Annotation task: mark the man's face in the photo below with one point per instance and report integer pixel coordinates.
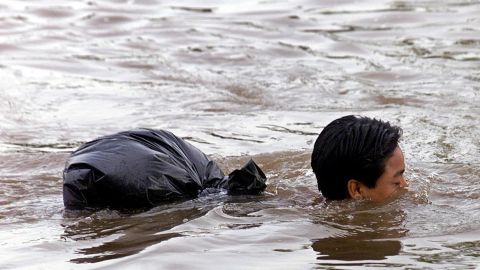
(391, 181)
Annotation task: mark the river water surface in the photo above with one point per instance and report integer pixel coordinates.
(241, 79)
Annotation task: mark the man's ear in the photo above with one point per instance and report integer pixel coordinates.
(354, 188)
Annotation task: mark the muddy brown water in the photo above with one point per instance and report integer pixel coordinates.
(238, 80)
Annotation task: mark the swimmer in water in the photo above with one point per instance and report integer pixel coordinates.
(359, 157)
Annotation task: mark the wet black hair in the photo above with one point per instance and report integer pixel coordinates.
(352, 147)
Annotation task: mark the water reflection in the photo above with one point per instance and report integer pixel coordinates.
(369, 232)
(355, 249)
(124, 246)
(132, 231)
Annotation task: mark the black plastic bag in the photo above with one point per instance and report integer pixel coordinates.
(145, 167)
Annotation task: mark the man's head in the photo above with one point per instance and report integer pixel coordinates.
(358, 157)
